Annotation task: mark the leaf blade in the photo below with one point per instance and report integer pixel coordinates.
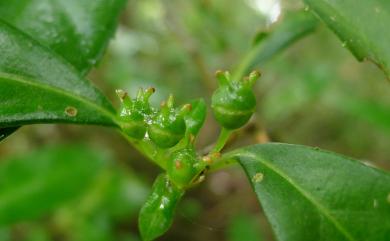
(77, 30)
(360, 26)
(156, 215)
(289, 30)
(26, 64)
(309, 194)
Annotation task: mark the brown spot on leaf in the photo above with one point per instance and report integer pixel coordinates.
(258, 177)
(71, 111)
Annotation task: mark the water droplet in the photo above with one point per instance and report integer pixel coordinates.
(258, 177)
(377, 9)
(333, 18)
(344, 44)
(307, 8)
(71, 111)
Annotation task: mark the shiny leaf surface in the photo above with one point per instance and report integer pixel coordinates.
(362, 26)
(310, 194)
(37, 86)
(77, 30)
(156, 215)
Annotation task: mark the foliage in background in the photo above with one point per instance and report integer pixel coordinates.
(314, 93)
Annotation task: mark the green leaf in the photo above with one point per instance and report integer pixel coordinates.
(362, 26)
(310, 194)
(34, 184)
(195, 119)
(77, 30)
(292, 27)
(156, 215)
(37, 86)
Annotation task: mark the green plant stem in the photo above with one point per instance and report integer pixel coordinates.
(222, 162)
(247, 62)
(149, 150)
(222, 139)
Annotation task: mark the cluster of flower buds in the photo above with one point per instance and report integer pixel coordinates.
(165, 127)
(233, 103)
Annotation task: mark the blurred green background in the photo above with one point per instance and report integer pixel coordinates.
(82, 183)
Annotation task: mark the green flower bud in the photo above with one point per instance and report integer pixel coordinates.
(181, 167)
(234, 102)
(134, 112)
(168, 126)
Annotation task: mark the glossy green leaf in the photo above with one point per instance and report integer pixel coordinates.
(195, 119)
(156, 215)
(290, 29)
(37, 86)
(77, 30)
(36, 183)
(362, 26)
(310, 194)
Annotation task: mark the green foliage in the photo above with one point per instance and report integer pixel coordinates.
(303, 189)
(33, 185)
(77, 31)
(361, 27)
(47, 47)
(295, 25)
(30, 73)
(156, 215)
(39, 87)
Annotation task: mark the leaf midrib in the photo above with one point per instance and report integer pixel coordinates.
(305, 194)
(62, 92)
